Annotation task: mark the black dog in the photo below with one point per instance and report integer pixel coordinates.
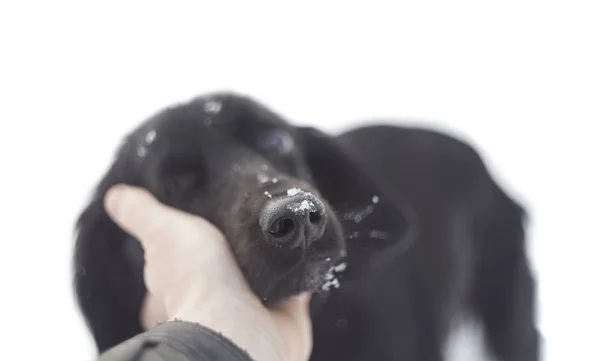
(424, 230)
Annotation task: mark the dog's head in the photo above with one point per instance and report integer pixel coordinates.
(243, 168)
(280, 194)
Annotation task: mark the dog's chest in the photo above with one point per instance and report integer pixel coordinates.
(364, 321)
(382, 319)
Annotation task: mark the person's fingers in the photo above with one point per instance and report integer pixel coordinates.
(296, 310)
(137, 212)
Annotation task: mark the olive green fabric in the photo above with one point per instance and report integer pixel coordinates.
(176, 341)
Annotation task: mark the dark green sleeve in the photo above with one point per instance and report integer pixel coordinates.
(176, 341)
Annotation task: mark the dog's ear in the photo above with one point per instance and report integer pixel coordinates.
(372, 217)
(108, 274)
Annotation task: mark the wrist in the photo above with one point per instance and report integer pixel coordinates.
(239, 318)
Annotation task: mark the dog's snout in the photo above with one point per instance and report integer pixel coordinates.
(293, 221)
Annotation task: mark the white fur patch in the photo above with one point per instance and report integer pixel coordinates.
(466, 341)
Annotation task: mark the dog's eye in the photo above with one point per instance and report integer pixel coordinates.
(277, 141)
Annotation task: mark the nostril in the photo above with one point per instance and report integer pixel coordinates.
(282, 228)
(295, 221)
(314, 217)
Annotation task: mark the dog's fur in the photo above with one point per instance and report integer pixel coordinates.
(428, 233)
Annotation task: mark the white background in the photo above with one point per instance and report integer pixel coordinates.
(520, 81)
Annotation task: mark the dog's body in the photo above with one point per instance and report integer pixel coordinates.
(426, 232)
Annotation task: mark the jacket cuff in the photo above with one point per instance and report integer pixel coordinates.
(192, 340)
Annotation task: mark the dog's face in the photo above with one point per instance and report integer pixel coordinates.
(243, 168)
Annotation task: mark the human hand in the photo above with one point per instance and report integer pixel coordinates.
(191, 274)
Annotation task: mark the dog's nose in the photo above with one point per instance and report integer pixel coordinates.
(293, 221)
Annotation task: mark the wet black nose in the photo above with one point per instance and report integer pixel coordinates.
(293, 221)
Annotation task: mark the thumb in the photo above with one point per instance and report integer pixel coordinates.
(137, 212)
